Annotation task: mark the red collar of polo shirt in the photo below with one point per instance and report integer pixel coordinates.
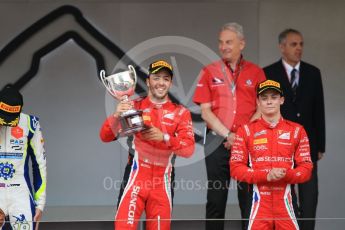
(239, 66)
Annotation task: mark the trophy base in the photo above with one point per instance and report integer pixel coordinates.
(132, 122)
(132, 131)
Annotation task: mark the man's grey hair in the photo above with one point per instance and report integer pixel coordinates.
(282, 36)
(234, 27)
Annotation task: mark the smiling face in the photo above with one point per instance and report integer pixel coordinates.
(269, 103)
(159, 85)
(230, 45)
(292, 48)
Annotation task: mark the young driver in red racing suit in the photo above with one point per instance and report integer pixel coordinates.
(278, 154)
(170, 132)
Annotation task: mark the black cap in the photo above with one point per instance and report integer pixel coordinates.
(11, 103)
(159, 65)
(269, 84)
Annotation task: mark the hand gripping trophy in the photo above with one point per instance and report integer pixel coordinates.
(121, 86)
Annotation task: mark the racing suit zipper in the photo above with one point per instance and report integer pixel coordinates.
(271, 143)
(5, 153)
(5, 138)
(274, 164)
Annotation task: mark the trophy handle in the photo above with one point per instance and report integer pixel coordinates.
(106, 83)
(130, 67)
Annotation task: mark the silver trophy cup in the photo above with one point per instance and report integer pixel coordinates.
(121, 86)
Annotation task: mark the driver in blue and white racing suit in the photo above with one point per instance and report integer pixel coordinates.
(20, 139)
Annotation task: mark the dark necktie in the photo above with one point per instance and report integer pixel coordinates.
(293, 83)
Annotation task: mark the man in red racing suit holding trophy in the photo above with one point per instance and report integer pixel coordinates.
(170, 132)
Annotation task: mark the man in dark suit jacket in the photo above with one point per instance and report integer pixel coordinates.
(304, 104)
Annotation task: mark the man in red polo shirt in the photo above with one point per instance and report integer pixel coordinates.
(226, 93)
